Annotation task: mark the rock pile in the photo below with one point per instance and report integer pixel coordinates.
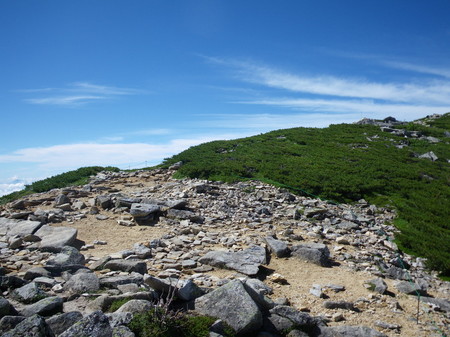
(217, 246)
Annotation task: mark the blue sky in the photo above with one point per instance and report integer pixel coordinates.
(128, 83)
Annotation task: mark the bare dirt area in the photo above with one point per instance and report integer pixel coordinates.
(234, 217)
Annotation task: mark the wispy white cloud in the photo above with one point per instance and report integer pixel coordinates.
(64, 100)
(345, 94)
(70, 156)
(442, 72)
(77, 93)
(431, 92)
(13, 184)
(407, 111)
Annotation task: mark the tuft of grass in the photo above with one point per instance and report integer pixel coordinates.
(160, 323)
(117, 304)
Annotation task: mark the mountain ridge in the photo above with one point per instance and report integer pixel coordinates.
(404, 165)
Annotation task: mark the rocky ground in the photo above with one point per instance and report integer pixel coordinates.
(257, 257)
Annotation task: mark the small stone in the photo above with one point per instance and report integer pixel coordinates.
(316, 290)
(278, 278)
(337, 317)
(389, 326)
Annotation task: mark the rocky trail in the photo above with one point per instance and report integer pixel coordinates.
(261, 259)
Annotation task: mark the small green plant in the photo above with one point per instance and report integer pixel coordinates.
(158, 323)
(155, 323)
(117, 304)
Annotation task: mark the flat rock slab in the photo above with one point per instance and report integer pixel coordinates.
(66, 257)
(441, 303)
(46, 307)
(246, 261)
(378, 285)
(129, 266)
(233, 304)
(60, 323)
(29, 293)
(82, 283)
(114, 281)
(409, 288)
(10, 282)
(136, 306)
(277, 247)
(316, 253)
(11, 227)
(55, 238)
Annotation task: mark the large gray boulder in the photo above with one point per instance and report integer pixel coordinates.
(34, 272)
(429, 155)
(347, 225)
(114, 281)
(144, 214)
(93, 325)
(127, 265)
(141, 251)
(378, 285)
(66, 257)
(12, 227)
(34, 326)
(29, 293)
(284, 318)
(9, 322)
(184, 215)
(53, 239)
(82, 283)
(410, 288)
(233, 304)
(46, 307)
(10, 281)
(61, 200)
(277, 247)
(60, 323)
(440, 303)
(316, 253)
(246, 261)
(136, 306)
(6, 309)
(103, 201)
(186, 290)
(397, 273)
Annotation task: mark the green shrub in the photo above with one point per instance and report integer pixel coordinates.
(159, 322)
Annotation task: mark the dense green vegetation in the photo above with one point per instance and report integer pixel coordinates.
(71, 178)
(161, 323)
(345, 163)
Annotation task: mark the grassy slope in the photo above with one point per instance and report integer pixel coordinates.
(339, 163)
